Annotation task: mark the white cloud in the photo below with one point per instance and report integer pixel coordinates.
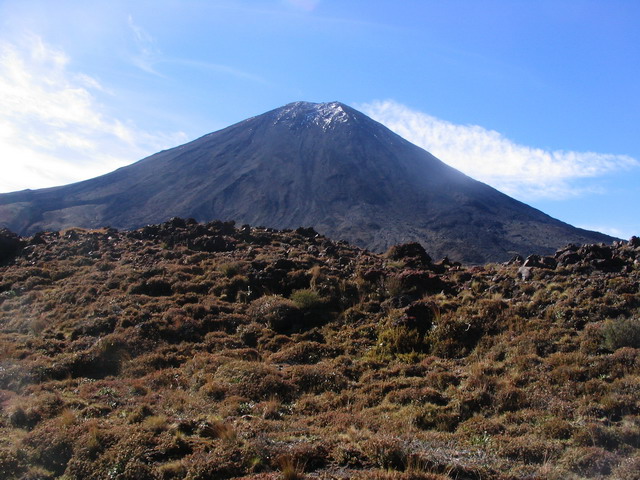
(528, 173)
(53, 130)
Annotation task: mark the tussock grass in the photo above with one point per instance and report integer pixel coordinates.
(151, 355)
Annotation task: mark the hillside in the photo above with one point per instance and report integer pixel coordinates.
(322, 165)
(199, 351)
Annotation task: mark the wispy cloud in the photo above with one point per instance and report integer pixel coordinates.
(53, 130)
(527, 173)
(148, 56)
(215, 68)
(147, 52)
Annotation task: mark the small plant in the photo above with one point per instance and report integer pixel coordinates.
(173, 469)
(621, 333)
(387, 452)
(217, 429)
(281, 314)
(399, 340)
(290, 468)
(307, 299)
(231, 269)
(155, 423)
(393, 285)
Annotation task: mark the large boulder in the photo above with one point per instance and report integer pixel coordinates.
(10, 244)
(412, 254)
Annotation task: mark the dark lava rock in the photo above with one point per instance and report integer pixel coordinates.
(420, 315)
(306, 232)
(412, 254)
(211, 244)
(152, 288)
(568, 258)
(594, 252)
(540, 262)
(10, 244)
(420, 281)
(373, 275)
(516, 260)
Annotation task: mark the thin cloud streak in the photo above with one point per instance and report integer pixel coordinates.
(215, 67)
(148, 56)
(525, 172)
(53, 130)
(147, 51)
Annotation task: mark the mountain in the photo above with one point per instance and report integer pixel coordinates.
(323, 165)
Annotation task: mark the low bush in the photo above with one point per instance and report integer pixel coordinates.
(621, 333)
(307, 300)
(589, 461)
(253, 380)
(316, 378)
(387, 452)
(280, 314)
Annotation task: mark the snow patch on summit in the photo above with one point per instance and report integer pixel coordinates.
(325, 115)
(330, 113)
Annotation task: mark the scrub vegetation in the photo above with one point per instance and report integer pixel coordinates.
(202, 351)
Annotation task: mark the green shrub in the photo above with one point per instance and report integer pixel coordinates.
(313, 306)
(231, 269)
(455, 337)
(307, 299)
(557, 428)
(399, 340)
(280, 314)
(621, 333)
(252, 380)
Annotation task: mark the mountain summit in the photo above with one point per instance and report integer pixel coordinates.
(323, 165)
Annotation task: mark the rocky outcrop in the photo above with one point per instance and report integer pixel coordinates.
(619, 257)
(10, 244)
(411, 254)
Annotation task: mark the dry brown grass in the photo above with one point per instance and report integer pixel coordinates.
(150, 359)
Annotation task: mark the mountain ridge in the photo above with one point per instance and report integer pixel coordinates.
(323, 165)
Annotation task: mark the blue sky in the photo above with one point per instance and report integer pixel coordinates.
(539, 99)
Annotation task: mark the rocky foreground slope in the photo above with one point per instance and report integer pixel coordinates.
(200, 351)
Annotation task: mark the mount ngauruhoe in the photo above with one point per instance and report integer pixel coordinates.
(322, 165)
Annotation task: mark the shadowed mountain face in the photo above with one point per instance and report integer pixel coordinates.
(322, 165)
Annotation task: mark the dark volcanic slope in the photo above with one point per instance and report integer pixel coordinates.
(321, 165)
